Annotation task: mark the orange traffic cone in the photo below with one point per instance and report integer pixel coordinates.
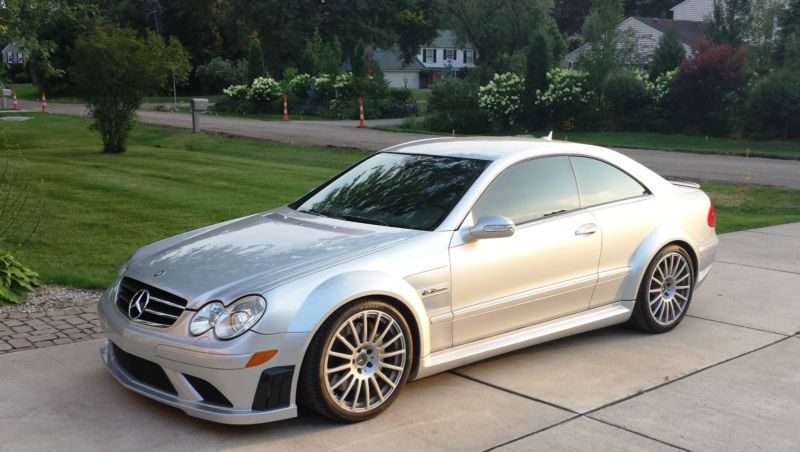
(285, 109)
(44, 102)
(361, 112)
(15, 104)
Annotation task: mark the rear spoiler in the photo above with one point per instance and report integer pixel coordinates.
(684, 183)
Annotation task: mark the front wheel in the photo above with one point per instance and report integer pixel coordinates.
(358, 362)
(665, 291)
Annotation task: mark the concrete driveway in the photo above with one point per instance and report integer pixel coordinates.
(728, 378)
(711, 168)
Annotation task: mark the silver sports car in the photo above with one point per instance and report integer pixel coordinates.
(418, 259)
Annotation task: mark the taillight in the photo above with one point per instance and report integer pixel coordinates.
(712, 216)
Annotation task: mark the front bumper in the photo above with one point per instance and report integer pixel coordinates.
(204, 377)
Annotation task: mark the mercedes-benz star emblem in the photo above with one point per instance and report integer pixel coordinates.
(138, 304)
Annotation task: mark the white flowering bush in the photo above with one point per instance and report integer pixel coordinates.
(264, 90)
(343, 85)
(301, 84)
(658, 89)
(238, 93)
(323, 86)
(566, 95)
(501, 98)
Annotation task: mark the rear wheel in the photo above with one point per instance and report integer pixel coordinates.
(665, 292)
(358, 362)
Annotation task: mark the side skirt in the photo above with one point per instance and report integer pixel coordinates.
(461, 355)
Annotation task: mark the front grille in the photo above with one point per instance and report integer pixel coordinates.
(163, 309)
(145, 371)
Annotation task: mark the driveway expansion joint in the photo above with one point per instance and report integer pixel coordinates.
(737, 325)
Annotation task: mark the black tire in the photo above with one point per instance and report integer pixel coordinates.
(643, 317)
(312, 389)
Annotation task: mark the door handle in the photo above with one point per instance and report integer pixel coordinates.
(586, 229)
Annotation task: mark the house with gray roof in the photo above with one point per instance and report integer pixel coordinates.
(443, 56)
(687, 18)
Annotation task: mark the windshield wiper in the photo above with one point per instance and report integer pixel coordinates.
(361, 219)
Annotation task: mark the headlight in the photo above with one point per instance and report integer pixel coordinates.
(240, 316)
(205, 318)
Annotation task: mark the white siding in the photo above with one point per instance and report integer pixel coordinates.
(395, 78)
(693, 10)
(441, 62)
(646, 38)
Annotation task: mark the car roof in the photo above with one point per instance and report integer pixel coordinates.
(493, 148)
(505, 151)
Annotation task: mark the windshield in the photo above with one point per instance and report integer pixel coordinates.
(399, 190)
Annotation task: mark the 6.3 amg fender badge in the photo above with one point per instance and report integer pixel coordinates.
(138, 304)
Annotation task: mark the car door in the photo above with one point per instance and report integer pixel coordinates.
(625, 210)
(546, 269)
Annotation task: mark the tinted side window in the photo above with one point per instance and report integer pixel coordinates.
(530, 190)
(600, 182)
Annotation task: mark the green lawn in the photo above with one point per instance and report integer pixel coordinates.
(27, 91)
(99, 208)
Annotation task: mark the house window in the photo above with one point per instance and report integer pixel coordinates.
(449, 54)
(469, 56)
(429, 56)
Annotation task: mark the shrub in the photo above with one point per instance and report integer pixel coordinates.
(704, 83)
(501, 99)
(300, 85)
(773, 105)
(16, 280)
(116, 69)
(668, 54)
(453, 105)
(219, 73)
(566, 96)
(264, 90)
(624, 94)
(237, 93)
(343, 85)
(255, 62)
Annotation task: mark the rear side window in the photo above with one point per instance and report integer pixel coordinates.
(600, 183)
(530, 190)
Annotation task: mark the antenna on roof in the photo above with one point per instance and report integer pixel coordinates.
(548, 137)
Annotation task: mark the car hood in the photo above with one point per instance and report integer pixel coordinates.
(255, 253)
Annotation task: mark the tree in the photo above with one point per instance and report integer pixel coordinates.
(773, 104)
(608, 48)
(42, 31)
(357, 60)
(255, 64)
(788, 29)
(624, 93)
(539, 61)
(702, 87)
(115, 70)
(729, 22)
(499, 29)
(669, 53)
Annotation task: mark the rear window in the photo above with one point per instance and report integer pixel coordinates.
(600, 183)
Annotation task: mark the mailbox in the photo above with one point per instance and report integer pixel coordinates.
(198, 106)
(6, 94)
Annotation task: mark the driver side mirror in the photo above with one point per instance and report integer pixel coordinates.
(491, 227)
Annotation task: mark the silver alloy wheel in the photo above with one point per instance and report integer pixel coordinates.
(669, 288)
(365, 361)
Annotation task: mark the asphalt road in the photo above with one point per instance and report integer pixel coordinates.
(726, 379)
(712, 168)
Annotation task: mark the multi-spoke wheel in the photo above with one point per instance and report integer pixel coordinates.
(665, 292)
(357, 362)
